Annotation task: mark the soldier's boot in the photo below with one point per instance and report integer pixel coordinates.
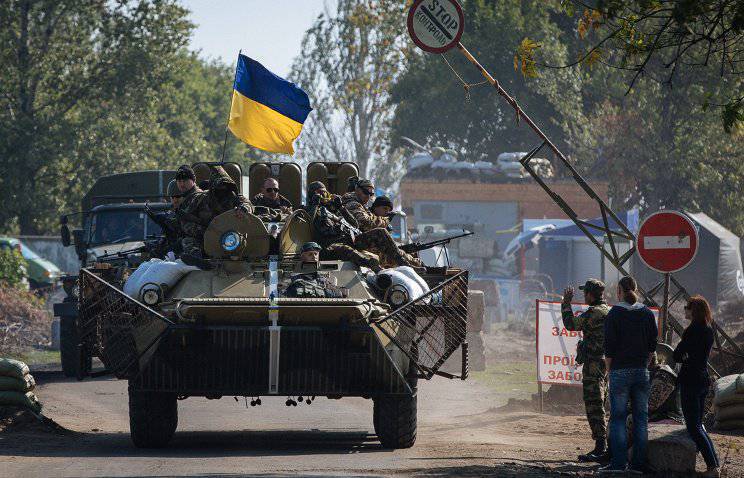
(599, 454)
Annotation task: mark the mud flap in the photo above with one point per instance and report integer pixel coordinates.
(429, 329)
(121, 331)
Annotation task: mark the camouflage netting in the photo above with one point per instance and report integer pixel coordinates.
(24, 322)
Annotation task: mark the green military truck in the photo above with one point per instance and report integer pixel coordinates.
(235, 330)
(111, 222)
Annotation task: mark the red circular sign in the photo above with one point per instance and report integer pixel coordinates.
(667, 241)
(435, 25)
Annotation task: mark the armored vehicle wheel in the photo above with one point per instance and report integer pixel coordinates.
(394, 419)
(153, 417)
(74, 364)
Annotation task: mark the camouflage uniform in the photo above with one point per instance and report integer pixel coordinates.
(375, 236)
(364, 217)
(591, 324)
(280, 202)
(199, 208)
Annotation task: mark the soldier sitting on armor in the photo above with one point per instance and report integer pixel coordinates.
(337, 230)
(269, 197)
(312, 284)
(269, 205)
(198, 210)
(591, 353)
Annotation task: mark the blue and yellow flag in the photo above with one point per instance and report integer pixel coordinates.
(267, 111)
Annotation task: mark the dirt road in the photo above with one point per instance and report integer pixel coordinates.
(458, 435)
(461, 433)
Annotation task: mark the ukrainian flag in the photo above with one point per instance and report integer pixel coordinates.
(267, 111)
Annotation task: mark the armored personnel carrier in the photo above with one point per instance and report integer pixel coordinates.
(230, 331)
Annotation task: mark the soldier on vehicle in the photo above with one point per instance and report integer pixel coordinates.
(312, 284)
(356, 203)
(186, 181)
(382, 206)
(270, 198)
(590, 352)
(200, 207)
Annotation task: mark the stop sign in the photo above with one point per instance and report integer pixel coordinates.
(667, 241)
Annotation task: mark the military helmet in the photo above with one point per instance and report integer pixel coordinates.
(310, 246)
(382, 201)
(173, 190)
(364, 184)
(595, 286)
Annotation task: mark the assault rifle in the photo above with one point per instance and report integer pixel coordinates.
(150, 245)
(422, 246)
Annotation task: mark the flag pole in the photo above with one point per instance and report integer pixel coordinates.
(227, 126)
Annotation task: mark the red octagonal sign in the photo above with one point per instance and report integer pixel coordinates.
(667, 241)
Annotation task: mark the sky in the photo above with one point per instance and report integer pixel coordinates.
(269, 31)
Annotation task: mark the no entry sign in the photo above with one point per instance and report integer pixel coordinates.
(667, 241)
(435, 25)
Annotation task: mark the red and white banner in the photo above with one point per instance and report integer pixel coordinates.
(556, 346)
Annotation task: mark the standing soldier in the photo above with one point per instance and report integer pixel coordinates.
(591, 353)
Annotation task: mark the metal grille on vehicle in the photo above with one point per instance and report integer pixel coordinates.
(118, 329)
(429, 329)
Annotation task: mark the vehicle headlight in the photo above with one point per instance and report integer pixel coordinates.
(230, 241)
(151, 296)
(397, 296)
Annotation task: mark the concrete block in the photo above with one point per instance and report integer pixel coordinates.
(670, 449)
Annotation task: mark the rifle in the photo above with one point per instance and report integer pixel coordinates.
(421, 246)
(149, 246)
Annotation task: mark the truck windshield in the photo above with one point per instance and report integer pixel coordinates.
(115, 227)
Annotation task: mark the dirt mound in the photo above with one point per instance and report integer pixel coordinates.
(20, 420)
(24, 321)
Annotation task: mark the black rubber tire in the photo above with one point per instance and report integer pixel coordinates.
(69, 352)
(153, 418)
(394, 419)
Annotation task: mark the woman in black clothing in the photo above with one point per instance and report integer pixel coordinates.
(694, 382)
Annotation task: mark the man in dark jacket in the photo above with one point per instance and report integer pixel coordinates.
(631, 335)
(271, 199)
(591, 324)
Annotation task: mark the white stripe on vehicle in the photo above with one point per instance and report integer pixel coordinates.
(274, 328)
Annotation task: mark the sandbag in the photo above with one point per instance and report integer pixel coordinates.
(405, 276)
(25, 384)
(729, 425)
(158, 273)
(734, 411)
(134, 282)
(726, 391)
(13, 368)
(20, 399)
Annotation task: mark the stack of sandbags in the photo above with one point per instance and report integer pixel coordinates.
(16, 385)
(476, 347)
(728, 403)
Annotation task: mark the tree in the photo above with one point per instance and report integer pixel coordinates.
(433, 107)
(74, 71)
(666, 40)
(348, 61)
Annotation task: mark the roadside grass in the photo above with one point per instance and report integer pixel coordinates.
(517, 379)
(34, 356)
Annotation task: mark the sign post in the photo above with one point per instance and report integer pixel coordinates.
(667, 242)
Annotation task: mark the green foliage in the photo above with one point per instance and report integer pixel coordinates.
(12, 267)
(669, 40)
(432, 106)
(347, 63)
(95, 88)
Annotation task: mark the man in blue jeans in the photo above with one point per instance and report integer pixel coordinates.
(630, 340)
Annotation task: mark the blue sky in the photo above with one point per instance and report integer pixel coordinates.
(269, 31)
